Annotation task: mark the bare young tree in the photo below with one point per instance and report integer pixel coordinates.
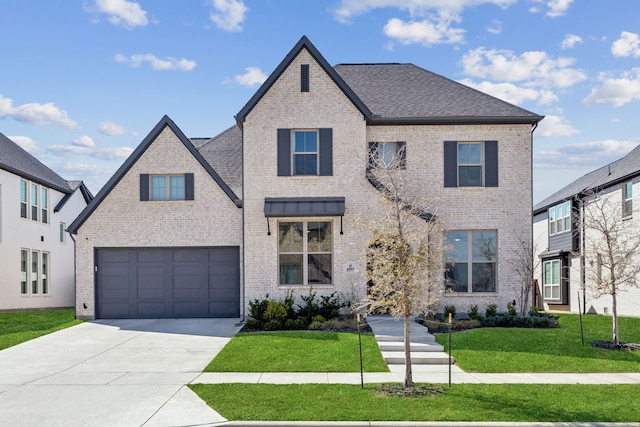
(612, 244)
(525, 264)
(404, 256)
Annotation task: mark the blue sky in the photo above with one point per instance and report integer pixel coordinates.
(83, 82)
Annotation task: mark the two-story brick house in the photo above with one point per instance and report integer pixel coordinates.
(36, 256)
(565, 257)
(274, 204)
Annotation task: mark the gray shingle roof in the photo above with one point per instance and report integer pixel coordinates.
(15, 159)
(224, 154)
(406, 92)
(606, 176)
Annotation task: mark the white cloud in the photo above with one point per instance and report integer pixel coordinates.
(114, 129)
(512, 93)
(616, 91)
(627, 45)
(535, 68)
(423, 32)
(86, 146)
(229, 14)
(555, 126)
(585, 155)
(555, 7)
(570, 40)
(253, 77)
(495, 27)
(156, 63)
(39, 114)
(123, 13)
(84, 141)
(28, 144)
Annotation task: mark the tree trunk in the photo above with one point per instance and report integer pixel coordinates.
(614, 307)
(408, 375)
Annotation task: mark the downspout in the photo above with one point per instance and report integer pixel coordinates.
(244, 246)
(534, 290)
(583, 247)
(75, 276)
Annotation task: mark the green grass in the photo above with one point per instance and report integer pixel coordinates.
(298, 351)
(546, 350)
(463, 402)
(21, 326)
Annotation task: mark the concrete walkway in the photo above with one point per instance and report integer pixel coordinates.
(112, 373)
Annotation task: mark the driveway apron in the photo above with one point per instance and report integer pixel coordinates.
(112, 373)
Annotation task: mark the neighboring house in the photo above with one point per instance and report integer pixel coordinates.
(563, 254)
(199, 228)
(36, 206)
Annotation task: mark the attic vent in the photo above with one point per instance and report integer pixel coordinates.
(304, 78)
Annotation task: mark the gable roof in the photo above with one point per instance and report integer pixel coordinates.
(614, 173)
(74, 186)
(133, 158)
(16, 160)
(303, 43)
(224, 153)
(406, 93)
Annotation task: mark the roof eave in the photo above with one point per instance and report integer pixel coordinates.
(453, 120)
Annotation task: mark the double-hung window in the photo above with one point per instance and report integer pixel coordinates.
(627, 199)
(44, 207)
(167, 187)
(34, 272)
(551, 280)
(560, 218)
(471, 263)
(387, 155)
(471, 164)
(23, 199)
(34, 201)
(305, 252)
(305, 152)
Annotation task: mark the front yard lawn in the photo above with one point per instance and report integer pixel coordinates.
(546, 350)
(298, 351)
(462, 402)
(20, 326)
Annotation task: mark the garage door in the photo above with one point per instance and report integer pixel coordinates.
(167, 282)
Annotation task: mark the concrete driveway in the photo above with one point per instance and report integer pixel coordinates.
(112, 373)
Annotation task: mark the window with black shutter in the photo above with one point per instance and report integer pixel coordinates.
(471, 164)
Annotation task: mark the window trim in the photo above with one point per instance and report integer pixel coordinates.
(306, 253)
(562, 220)
(44, 204)
(552, 286)
(475, 165)
(24, 202)
(470, 261)
(627, 199)
(33, 201)
(295, 153)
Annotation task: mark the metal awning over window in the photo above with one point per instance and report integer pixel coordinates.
(303, 206)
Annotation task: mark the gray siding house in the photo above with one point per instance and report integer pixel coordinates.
(200, 227)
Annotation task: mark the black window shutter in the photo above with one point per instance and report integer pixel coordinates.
(450, 164)
(188, 186)
(304, 78)
(326, 152)
(373, 154)
(284, 152)
(491, 163)
(401, 155)
(144, 187)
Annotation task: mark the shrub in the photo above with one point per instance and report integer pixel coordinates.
(473, 312)
(318, 318)
(511, 309)
(326, 306)
(272, 325)
(506, 320)
(253, 324)
(276, 310)
(258, 307)
(491, 310)
(295, 324)
(449, 309)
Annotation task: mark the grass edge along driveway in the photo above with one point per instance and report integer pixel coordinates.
(20, 326)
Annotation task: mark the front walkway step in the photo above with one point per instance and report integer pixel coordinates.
(415, 346)
(397, 358)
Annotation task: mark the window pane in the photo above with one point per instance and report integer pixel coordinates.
(484, 277)
(291, 269)
(387, 155)
(319, 269)
(567, 224)
(34, 194)
(23, 191)
(456, 276)
(483, 245)
(470, 176)
(62, 236)
(555, 272)
(305, 164)
(305, 142)
(45, 272)
(459, 245)
(23, 272)
(34, 272)
(319, 237)
(567, 208)
(290, 237)
(469, 154)
(176, 187)
(158, 188)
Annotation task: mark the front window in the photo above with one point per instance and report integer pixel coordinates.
(167, 187)
(34, 202)
(551, 280)
(23, 199)
(627, 199)
(560, 218)
(44, 204)
(305, 152)
(45, 273)
(470, 164)
(305, 253)
(24, 255)
(34, 272)
(471, 264)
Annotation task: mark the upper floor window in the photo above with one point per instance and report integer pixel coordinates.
(23, 199)
(304, 78)
(471, 265)
(305, 253)
(166, 187)
(560, 218)
(34, 201)
(44, 204)
(387, 155)
(63, 234)
(471, 164)
(305, 152)
(627, 199)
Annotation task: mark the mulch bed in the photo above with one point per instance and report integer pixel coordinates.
(610, 345)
